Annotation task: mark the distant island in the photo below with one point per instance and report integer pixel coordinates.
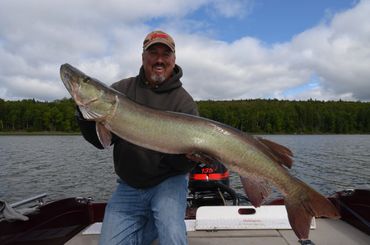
(262, 116)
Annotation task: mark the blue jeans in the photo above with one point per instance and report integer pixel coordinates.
(139, 216)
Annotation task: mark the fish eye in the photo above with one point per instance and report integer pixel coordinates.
(86, 79)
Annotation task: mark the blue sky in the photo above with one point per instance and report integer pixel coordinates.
(228, 49)
(271, 21)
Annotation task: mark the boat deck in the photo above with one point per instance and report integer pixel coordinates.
(327, 232)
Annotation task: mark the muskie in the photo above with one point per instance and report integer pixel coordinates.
(259, 161)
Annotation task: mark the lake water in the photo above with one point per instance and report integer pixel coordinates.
(65, 166)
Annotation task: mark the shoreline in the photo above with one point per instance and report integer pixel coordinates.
(37, 133)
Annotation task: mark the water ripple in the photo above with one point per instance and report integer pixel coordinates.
(65, 166)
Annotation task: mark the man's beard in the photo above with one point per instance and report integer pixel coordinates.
(158, 78)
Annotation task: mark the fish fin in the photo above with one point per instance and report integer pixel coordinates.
(89, 115)
(304, 204)
(104, 135)
(281, 154)
(256, 189)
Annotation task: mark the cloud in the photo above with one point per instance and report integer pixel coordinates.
(33, 88)
(337, 51)
(104, 39)
(231, 9)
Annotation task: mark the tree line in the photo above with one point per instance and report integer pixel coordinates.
(253, 116)
(290, 117)
(36, 116)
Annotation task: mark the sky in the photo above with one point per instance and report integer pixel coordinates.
(228, 49)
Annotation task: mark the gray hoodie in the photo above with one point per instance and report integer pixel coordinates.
(137, 166)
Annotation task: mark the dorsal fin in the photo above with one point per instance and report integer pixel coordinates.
(280, 153)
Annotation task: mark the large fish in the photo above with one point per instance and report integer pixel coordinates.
(259, 161)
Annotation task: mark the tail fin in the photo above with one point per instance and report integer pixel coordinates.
(304, 204)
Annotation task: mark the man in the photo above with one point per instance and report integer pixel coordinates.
(150, 199)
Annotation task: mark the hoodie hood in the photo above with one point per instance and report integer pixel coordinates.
(172, 83)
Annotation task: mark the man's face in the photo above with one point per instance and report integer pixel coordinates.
(158, 62)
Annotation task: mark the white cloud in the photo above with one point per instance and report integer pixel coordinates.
(338, 51)
(26, 87)
(236, 8)
(104, 38)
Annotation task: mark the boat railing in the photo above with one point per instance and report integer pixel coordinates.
(37, 198)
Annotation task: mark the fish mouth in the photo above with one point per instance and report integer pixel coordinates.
(66, 82)
(66, 76)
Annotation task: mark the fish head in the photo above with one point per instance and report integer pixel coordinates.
(95, 99)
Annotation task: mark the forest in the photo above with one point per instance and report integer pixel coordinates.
(265, 116)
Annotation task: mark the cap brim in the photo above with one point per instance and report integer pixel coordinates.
(161, 42)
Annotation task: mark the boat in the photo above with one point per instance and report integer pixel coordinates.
(216, 214)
